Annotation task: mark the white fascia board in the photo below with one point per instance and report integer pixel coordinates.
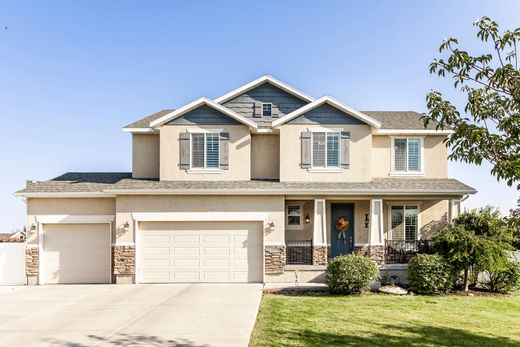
(358, 192)
(197, 103)
(259, 81)
(411, 132)
(139, 130)
(199, 217)
(333, 102)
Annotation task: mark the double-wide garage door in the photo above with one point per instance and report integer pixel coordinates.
(200, 252)
(76, 253)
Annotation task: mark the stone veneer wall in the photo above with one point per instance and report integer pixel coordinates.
(319, 255)
(32, 262)
(376, 253)
(123, 258)
(274, 259)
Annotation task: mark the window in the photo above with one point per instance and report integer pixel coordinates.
(294, 216)
(205, 151)
(404, 222)
(407, 155)
(325, 149)
(267, 110)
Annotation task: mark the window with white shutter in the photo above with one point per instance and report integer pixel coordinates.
(325, 149)
(407, 155)
(205, 150)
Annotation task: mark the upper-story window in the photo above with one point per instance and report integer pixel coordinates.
(267, 110)
(205, 150)
(325, 150)
(407, 155)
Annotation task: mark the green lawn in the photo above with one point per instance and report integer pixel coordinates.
(381, 320)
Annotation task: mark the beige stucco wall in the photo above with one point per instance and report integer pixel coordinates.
(360, 154)
(272, 205)
(265, 156)
(306, 232)
(435, 156)
(239, 154)
(69, 206)
(145, 155)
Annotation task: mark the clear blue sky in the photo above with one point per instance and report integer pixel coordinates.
(72, 73)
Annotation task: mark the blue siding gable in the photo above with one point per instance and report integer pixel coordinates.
(325, 114)
(268, 93)
(204, 115)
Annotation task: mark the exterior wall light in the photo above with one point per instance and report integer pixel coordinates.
(270, 227)
(307, 219)
(126, 226)
(366, 220)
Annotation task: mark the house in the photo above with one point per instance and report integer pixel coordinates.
(246, 188)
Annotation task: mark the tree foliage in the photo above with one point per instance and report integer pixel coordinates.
(491, 83)
(478, 240)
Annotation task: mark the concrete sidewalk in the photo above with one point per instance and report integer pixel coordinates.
(136, 315)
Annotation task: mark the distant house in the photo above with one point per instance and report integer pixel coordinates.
(247, 187)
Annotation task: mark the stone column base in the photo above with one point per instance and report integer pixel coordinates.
(319, 255)
(123, 258)
(275, 259)
(376, 253)
(32, 265)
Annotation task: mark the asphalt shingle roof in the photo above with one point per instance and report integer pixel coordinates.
(400, 120)
(145, 122)
(388, 119)
(120, 182)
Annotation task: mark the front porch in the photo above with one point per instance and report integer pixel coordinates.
(390, 231)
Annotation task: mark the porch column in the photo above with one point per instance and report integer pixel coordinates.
(375, 249)
(454, 210)
(319, 233)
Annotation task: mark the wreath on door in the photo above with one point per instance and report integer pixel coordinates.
(342, 225)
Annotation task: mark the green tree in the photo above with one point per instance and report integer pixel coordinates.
(491, 83)
(479, 240)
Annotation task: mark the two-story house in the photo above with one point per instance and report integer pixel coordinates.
(243, 188)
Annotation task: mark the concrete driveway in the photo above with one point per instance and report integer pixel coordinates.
(129, 315)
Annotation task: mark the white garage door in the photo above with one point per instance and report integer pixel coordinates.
(200, 252)
(76, 253)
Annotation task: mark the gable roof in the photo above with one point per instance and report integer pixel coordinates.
(253, 84)
(333, 102)
(197, 103)
(143, 125)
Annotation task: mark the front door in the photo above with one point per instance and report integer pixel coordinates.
(342, 228)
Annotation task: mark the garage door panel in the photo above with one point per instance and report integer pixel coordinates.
(202, 251)
(76, 253)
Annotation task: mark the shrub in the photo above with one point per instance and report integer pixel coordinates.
(430, 274)
(351, 273)
(505, 279)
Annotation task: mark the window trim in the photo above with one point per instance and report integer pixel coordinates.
(205, 168)
(407, 172)
(416, 204)
(271, 109)
(293, 227)
(325, 168)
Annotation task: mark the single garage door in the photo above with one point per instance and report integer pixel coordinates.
(200, 252)
(76, 253)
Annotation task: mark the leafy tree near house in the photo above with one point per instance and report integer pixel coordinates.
(491, 83)
(514, 222)
(479, 240)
